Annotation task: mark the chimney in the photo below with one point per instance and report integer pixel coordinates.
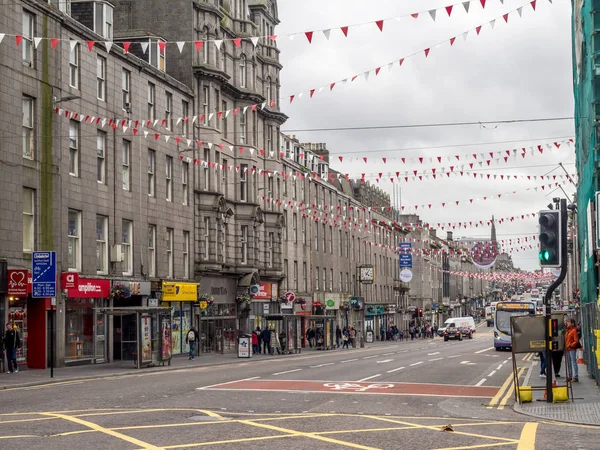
(433, 232)
(449, 236)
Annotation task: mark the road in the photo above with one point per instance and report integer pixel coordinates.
(396, 395)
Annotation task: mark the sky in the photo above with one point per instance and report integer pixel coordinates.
(520, 69)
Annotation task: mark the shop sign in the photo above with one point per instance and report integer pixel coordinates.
(90, 288)
(179, 292)
(375, 310)
(69, 280)
(136, 287)
(266, 291)
(223, 289)
(19, 283)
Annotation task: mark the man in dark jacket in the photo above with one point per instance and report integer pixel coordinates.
(266, 340)
(12, 342)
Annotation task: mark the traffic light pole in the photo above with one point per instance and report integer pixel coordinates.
(548, 299)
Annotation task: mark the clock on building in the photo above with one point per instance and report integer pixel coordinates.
(367, 274)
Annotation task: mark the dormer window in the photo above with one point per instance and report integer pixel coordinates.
(96, 15)
(103, 20)
(62, 5)
(157, 55)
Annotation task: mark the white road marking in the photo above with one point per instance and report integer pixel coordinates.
(229, 382)
(454, 356)
(395, 370)
(388, 354)
(369, 378)
(481, 382)
(384, 361)
(464, 362)
(349, 360)
(436, 359)
(484, 350)
(287, 371)
(431, 354)
(499, 367)
(374, 356)
(417, 363)
(491, 374)
(322, 365)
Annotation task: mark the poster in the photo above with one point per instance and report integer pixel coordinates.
(146, 338)
(166, 339)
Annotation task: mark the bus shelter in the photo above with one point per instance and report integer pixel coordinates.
(144, 337)
(289, 329)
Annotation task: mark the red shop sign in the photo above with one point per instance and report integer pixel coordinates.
(90, 288)
(69, 280)
(19, 284)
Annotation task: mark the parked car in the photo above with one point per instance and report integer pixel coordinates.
(452, 333)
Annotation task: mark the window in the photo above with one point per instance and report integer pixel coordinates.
(223, 58)
(294, 187)
(101, 244)
(317, 279)
(330, 280)
(224, 240)
(169, 178)
(316, 234)
(27, 44)
(186, 254)
(126, 88)
(284, 180)
(217, 177)
(28, 144)
(243, 182)
(304, 278)
(330, 239)
(347, 287)
(126, 170)
(74, 67)
(340, 243)
(324, 279)
(242, 137)
(127, 242)
(243, 71)
(73, 148)
(284, 231)
(255, 128)
(101, 78)
(216, 109)
(244, 242)
(205, 105)
(151, 101)
(224, 170)
(157, 54)
(324, 239)
(295, 228)
(270, 139)
(170, 242)
(185, 110)
(101, 157)
(296, 275)
(185, 174)
(270, 244)
(62, 5)
(270, 194)
(151, 250)
(205, 47)
(224, 119)
(268, 90)
(285, 274)
(103, 20)
(151, 168)
(206, 170)
(74, 250)
(28, 206)
(206, 238)
(304, 230)
(169, 111)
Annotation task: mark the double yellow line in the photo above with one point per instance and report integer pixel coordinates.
(506, 391)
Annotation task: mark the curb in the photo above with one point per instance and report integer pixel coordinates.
(516, 408)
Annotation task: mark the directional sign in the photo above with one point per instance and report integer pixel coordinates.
(405, 246)
(405, 261)
(43, 271)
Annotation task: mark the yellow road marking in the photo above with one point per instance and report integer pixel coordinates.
(430, 427)
(308, 435)
(231, 441)
(477, 446)
(106, 431)
(498, 396)
(527, 441)
(21, 436)
(26, 420)
(511, 390)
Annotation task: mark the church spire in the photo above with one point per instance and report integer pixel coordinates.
(493, 237)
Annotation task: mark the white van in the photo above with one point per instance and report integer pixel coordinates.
(460, 322)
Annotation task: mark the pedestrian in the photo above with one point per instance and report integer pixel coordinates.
(275, 344)
(542, 356)
(266, 340)
(338, 336)
(12, 341)
(572, 344)
(381, 333)
(557, 357)
(259, 336)
(310, 335)
(353, 337)
(345, 338)
(255, 348)
(192, 338)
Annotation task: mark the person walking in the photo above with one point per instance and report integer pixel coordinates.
(338, 336)
(542, 356)
(255, 345)
(275, 343)
(572, 344)
(266, 340)
(12, 341)
(192, 339)
(345, 338)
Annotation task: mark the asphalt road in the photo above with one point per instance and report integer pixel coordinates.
(396, 395)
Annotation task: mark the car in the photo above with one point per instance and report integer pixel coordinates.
(452, 333)
(465, 331)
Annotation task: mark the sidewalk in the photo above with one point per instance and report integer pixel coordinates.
(584, 410)
(35, 377)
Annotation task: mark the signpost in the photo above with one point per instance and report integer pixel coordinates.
(405, 255)
(43, 285)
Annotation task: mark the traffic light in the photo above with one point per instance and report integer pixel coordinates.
(420, 312)
(550, 238)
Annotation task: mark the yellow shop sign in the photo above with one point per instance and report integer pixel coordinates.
(179, 292)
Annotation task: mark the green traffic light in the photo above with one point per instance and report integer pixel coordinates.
(545, 255)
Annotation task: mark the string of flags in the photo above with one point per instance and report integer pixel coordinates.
(428, 176)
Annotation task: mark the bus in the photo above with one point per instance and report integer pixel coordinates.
(489, 313)
(504, 311)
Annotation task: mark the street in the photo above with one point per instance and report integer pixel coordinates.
(425, 394)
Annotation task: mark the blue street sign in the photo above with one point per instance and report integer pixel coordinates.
(43, 283)
(405, 247)
(405, 261)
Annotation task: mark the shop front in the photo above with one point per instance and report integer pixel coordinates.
(180, 297)
(378, 319)
(264, 303)
(215, 315)
(85, 329)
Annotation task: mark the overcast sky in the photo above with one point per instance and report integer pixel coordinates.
(517, 70)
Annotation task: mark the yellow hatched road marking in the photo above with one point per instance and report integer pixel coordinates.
(511, 389)
(498, 396)
(527, 441)
(477, 446)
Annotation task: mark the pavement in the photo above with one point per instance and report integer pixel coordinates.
(425, 394)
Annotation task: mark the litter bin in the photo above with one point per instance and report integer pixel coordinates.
(244, 347)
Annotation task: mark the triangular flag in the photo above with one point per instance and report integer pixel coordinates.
(292, 98)
(309, 35)
(466, 5)
(254, 40)
(464, 35)
(218, 43)
(36, 41)
(505, 17)
(345, 31)
(237, 42)
(449, 10)
(452, 41)
(432, 14)
(478, 29)
(2, 37)
(482, 3)
(180, 45)
(401, 61)
(108, 46)
(377, 71)
(520, 11)
(533, 4)
(144, 46)
(366, 74)
(198, 45)
(162, 45)
(53, 43)
(380, 25)
(331, 86)
(427, 52)
(126, 46)
(18, 39)
(326, 33)
(492, 23)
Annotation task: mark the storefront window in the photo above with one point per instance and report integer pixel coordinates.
(186, 324)
(79, 323)
(176, 327)
(17, 315)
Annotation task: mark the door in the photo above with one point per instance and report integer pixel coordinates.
(100, 337)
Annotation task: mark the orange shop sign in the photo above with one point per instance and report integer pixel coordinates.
(267, 291)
